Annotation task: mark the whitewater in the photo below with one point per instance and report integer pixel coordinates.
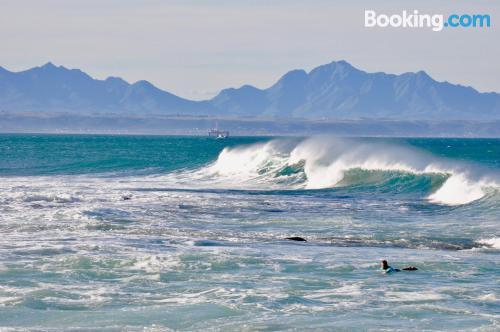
(134, 233)
(325, 162)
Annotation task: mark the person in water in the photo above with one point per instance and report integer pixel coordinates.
(389, 269)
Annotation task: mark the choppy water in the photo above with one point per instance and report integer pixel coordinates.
(130, 233)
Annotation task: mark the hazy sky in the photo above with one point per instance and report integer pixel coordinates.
(196, 48)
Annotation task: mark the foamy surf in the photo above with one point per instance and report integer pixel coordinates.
(491, 243)
(323, 162)
(160, 237)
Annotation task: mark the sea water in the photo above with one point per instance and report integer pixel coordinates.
(110, 233)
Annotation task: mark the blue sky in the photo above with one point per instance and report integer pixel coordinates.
(196, 48)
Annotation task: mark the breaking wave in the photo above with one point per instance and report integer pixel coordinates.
(492, 242)
(326, 162)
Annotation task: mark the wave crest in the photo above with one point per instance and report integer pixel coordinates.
(327, 162)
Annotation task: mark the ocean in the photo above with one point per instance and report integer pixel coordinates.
(154, 233)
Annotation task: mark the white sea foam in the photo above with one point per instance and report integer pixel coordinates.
(325, 161)
(492, 242)
(489, 297)
(156, 263)
(53, 197)
(393, 296)
(53, 244)
(457, 190)
(319, 162)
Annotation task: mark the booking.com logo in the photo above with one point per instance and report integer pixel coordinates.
(416, 20)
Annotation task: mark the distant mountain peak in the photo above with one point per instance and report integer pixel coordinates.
(49, 65)
(51, 88)
(345, 66)
(423, 75)
(338, 64)
(336, 90)
(293, 75)
(342, 63)
(115, 79)
(340, 68)
(248, 87)
(143, 83)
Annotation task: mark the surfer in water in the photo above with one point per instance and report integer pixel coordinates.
(389, 269)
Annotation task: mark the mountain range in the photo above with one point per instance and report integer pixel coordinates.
(332, 91)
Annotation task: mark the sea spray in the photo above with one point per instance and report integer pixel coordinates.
(324, 162)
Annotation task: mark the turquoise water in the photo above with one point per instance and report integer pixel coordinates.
(111, 233)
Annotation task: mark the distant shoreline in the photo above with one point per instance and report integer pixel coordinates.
(65, 123)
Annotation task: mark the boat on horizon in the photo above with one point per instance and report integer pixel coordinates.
(217, 133)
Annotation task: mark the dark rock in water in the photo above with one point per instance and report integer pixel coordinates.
(126, 197)
(296, 238)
